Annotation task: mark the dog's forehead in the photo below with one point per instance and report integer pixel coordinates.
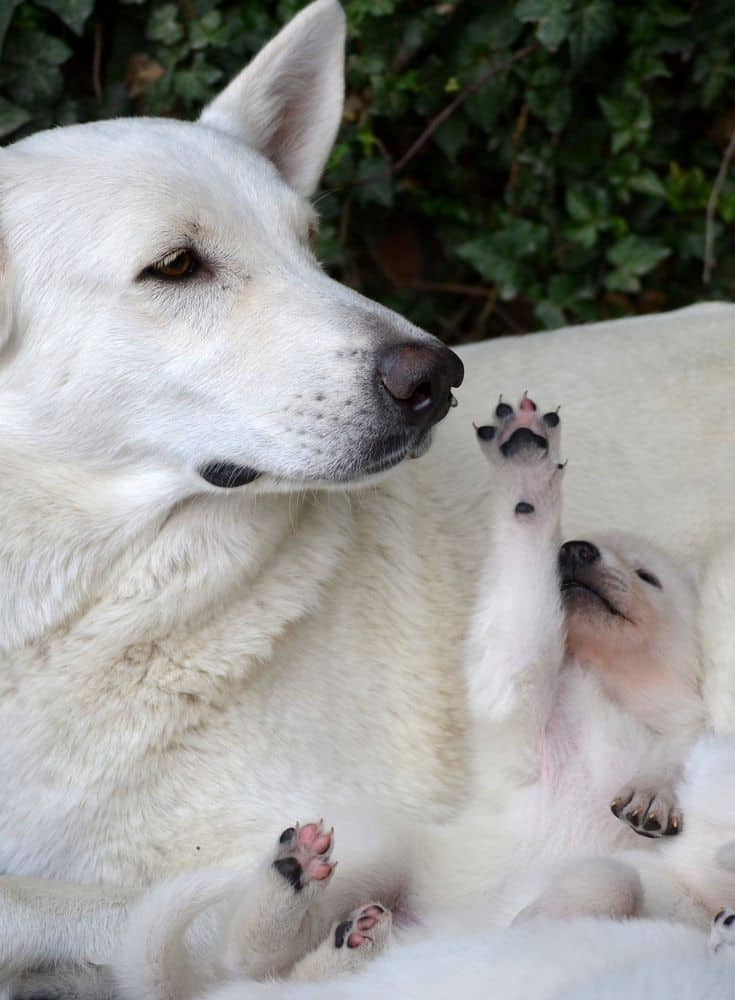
(140, 173)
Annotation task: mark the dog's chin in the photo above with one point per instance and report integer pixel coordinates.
(376, 459)
(369, 465)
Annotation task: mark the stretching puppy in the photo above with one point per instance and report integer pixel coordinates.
(583, 666)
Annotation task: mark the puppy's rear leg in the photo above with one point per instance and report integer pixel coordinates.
(269, 929)
(349, 944)
(595, 887)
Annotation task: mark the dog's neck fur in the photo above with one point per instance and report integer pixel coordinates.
(108, 544)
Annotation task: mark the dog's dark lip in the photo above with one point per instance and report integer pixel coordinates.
(227, 475)
(573, 584)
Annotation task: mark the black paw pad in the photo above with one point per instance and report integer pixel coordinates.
(521, 439)
(551, 419)
(287, 835)
(524, 508)
(652, 824)
(729, 921)
(503, 410)
(486, 432)
(616, 808)
(341, 933)
(291, 871)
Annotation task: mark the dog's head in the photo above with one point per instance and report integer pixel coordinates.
(631, 615)
(163, 305)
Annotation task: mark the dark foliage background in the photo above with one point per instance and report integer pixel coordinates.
(570, 179)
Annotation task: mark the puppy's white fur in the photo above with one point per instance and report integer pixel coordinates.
(168, 650)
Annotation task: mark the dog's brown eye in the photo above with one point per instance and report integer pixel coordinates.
(649, 578)
(175, 266)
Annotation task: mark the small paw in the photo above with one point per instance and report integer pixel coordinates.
(302, 855)
(524, 430)
(650, 813)
(722, 934)
(367, 927)
(524, 448)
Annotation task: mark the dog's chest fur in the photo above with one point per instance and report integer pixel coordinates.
(164, 726)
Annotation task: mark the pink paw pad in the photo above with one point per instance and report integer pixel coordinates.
(360, 930)
(519, 429)
(303, 854)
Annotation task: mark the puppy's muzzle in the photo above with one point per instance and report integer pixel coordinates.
(575, 556)
(419, 378)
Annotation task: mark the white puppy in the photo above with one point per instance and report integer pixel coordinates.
(583, 665)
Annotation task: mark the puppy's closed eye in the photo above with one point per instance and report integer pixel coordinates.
(649, 578)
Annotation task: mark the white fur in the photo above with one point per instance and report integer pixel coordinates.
(584, 958)
(182, 666)
(551, 740)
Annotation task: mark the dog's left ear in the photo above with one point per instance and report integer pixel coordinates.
(287, 103)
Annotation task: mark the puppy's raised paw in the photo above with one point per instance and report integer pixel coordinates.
(523, 447)
(303, 855)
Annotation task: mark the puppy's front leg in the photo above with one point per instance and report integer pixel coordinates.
(516, 642)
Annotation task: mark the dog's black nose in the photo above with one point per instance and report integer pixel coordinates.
(420, 378)
(574, 555)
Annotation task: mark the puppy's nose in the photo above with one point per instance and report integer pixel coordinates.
(575, 555)
(420, 378)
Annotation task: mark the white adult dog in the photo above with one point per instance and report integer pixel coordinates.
(184, 663)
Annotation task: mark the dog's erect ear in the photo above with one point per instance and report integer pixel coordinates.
(287, 103)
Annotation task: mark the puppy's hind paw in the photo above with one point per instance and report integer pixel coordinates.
(367, 927)
(648, 812)
(349, 944)
(722, 934)
(303, 855)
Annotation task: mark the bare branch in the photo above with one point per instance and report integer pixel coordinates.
(709, 237)
(415, 148)
(461, 97)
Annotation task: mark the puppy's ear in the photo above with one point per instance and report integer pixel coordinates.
(287, 103)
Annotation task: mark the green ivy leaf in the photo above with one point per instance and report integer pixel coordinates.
(451, 136)
(164, 25)
(499, 256)
(7, 9)
(632, 257)
(11, 117)
(594, 26)
(74, 13)
(553, 19)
